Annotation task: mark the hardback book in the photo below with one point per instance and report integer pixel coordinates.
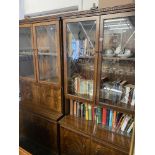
(77, 109)
(99, 111)
(74, 108)
(118, 116)
(120, 120)
(104, 116)
(107, 120)
(82, 109)
(89, 112)
(126, 120)
(130, 128)
(133, 98)
(114, 119)
(128, 125)
(71, 107)
(82, 86)
(90, 87)
(110, 118)
(93, 113)
(86, 109)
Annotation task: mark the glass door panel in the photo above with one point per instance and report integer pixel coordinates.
(47, 53)
(26, 65)
(118, 61)
(80, 49)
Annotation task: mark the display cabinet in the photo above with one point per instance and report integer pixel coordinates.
(80, 58)
(41, 88)
(99, 47)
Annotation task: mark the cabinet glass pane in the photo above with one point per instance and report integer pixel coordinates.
(118, 61)
(80, 47)
(47, 53)
(26, 66)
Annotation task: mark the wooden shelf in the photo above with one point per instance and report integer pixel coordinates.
(77, 124)
(75, 97)
(118, 58)
(122, 107)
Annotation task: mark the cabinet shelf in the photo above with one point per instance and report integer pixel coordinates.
(118, 58)
(122, 107)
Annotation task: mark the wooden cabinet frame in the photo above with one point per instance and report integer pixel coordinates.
(65, 21)
(58, 85)
(34, 60)
(102, 18)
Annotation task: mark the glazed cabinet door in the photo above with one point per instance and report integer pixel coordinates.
(73, 143)
(80, 46)
(117, 60)
(47, 44)
(100, 149)
(26, 53)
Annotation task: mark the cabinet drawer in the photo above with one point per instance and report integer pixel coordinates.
(73, 143)
(101, 149)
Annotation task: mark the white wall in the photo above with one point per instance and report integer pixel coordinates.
(34, 6)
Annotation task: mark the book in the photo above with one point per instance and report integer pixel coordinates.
(118, 116)
(133, 98)
(119, 122)
(93, 113)
(90, 88)
(130, 128)
(86, 109)
(77, 109)
(126, 120)
(128, 125)
(89, 112)
(110, 118)
(74, 108)
(71, 107)
(99, 111)
(107, 120)
(81, 109)
(114, 119)
(104, 116)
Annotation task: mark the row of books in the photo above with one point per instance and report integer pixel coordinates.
(117, 121)
(83, 86)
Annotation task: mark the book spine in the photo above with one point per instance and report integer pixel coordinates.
(107, 120)
(71, 107)
(99, 115)
(110, 118)
(82, 110)
(104, 116)
(86, 111)
(93, 113)
(74, 108)
(89, 112)
(125, 123)
(114, 120)
(77, 109)
(130, 128)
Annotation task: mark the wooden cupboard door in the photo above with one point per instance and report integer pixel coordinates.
(38, 129)
(100, 149)
(73, 143)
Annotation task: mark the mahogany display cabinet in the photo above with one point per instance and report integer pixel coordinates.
(41, 91)
(99, 81)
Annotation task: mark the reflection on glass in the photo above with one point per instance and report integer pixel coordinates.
(118, 62)
(26, 67)
(47, 54)
(80, 57)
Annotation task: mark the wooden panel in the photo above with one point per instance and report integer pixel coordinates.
(40, 94)
(100, 149)
(23, 152)
(40, 130)
(73, 143)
